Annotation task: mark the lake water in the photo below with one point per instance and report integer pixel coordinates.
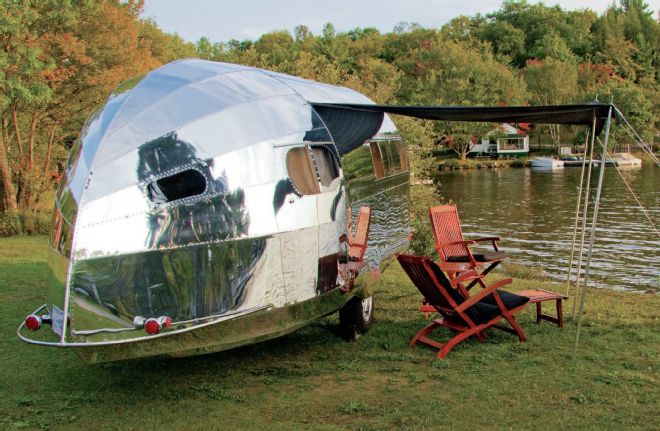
(533, 212)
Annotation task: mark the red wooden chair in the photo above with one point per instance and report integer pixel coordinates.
(357, 243)
(454, 251)
(465, 315)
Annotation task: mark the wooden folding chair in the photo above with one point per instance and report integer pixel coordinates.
(454, 251)
(466, 316)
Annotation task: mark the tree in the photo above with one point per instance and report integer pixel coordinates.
(508, 42)
(552, 82)
(60, 59)
(454, 73)
(275, 48)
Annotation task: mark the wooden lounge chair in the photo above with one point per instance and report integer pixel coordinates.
(467, 316)
(454, 251)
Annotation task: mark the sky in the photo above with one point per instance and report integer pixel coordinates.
(223, 20)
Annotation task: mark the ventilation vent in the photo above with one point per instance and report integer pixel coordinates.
(181, 185)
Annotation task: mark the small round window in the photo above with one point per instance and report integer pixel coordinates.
(181, 185)
(311, 170)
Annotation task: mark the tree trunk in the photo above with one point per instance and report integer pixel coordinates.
(464, 151)
(554, 134)
(8, 191)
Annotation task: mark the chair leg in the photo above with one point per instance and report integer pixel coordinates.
(454, 341)
(423, 332)
(516, 327)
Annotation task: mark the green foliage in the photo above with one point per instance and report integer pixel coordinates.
(24, 223)
(418, 136)
(421, 198)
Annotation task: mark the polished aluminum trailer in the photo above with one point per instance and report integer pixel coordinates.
(201, 205)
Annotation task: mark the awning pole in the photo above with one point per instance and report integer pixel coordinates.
(577, 209)
(585, 213)
(592, 236)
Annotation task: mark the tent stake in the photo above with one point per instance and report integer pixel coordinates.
(592, 236)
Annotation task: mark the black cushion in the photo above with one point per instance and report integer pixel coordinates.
(510, 300)
(487, 308)
(482, 257)
(478, 313)
(482, 311)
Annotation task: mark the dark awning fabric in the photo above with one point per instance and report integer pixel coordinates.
(582, 114)
(349, 127)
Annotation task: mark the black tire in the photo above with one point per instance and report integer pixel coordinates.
(356, 316)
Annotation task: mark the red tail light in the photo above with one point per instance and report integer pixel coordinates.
(33, 322)
(152, 326)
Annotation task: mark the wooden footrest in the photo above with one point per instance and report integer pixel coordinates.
(538, 296)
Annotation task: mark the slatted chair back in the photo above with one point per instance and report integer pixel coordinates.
(446, 230)
(431, 282)
(357, 243)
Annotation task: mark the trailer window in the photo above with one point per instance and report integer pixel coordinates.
(358, 164)
(389, 158)
(181, 185)
(377, 158)
(300, 171)
(311, 170)
(326, 168)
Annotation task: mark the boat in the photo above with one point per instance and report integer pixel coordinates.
(546, 163)
(625, 159)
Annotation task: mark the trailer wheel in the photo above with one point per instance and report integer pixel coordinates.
(356, 316)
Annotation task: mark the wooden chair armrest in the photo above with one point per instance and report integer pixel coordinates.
(493, 239)
(481, 295)
(467, 275)
(488, 238)
(466, 243)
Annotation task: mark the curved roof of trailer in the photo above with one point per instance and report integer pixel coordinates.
(184, 91)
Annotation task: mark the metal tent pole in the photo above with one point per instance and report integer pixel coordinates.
(585, 213)
(592, 236)
(577, 209)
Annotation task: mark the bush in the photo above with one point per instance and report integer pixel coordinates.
(422, 197)
(24, 223)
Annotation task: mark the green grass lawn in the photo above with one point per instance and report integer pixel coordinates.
(314, 380)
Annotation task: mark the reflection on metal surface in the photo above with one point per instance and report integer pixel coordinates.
(388, 197)
(183, 199)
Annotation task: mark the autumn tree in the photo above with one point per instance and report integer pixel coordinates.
(452, 73)
(60, 59)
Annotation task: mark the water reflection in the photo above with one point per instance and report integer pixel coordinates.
(533, 213)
